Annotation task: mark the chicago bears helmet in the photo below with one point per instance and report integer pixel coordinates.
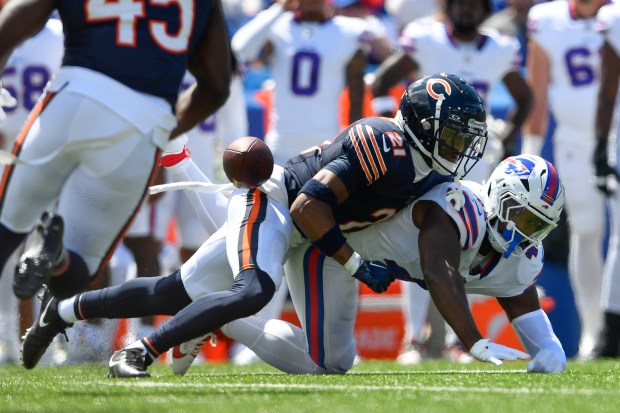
(444, 118)
(524, 200)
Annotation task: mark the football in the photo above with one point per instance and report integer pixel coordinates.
(247, 162)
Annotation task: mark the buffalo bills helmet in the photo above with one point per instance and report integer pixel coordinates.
(524, 200)
(444, 118)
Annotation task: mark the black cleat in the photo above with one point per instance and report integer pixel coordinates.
(608, 345)
(128, 363)
(44, 250)
(38, 337)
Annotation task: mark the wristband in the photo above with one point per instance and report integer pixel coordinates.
(353, 263)
(532, 144)
(331, 241)
(320, 191)
(382, 104)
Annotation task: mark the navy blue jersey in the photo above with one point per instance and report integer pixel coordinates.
(373, 160)
(144, 45)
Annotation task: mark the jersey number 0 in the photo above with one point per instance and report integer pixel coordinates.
(127, 12)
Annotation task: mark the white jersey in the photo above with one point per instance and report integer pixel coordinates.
(309, 70)
(608, 22)
(493, 275)
(482, 63)
(572, 46)
(28, 70)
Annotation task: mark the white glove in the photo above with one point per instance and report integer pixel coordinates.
(6, 101)
(175, 152)
(486, 350)
(547, 361)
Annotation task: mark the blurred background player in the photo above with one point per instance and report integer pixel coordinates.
(117, 119)
(314, 57)
(484, 58)
(563, 73)
(25, 75)
(608, 22)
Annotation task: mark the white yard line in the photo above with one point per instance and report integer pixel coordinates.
(358, 387)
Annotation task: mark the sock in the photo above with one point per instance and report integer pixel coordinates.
(66, 310)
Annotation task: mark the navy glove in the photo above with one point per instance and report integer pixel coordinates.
(604, 173)
(378, 275)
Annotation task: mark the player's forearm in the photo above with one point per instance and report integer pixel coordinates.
(197, 103)
(610, 73)
(449, 296)
(20, 20)
(251, 37)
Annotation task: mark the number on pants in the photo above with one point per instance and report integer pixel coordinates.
(127, 12)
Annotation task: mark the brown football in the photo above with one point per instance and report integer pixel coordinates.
(248, 162)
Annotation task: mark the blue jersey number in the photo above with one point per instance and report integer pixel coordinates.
(305, 73)
(581, 73)
(33, 80)
(127, 12)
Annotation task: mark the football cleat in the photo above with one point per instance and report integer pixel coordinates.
(184, 354)
(43, 251)
(128, 363)
(38, 337)
(412, 352)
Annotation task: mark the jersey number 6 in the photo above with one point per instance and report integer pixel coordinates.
(127, 12)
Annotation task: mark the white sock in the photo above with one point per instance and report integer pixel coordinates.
(66, 310)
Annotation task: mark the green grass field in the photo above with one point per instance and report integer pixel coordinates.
(370, 387)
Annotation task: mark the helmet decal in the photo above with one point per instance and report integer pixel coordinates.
(552, 185)
(446, 86)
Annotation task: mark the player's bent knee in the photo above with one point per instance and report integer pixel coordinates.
(256, 289)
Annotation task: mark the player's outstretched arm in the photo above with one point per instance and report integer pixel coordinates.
(535, 332)
(211, 65)
(313, 213)
(440, 258)
(19, 20)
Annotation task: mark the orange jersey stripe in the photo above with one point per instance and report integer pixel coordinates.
(377, 149)
(359, 155)
(371, 160)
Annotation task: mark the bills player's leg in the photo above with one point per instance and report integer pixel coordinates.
(325, 299)
(608, 344)
(586, 211)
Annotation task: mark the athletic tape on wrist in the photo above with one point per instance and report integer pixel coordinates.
(353, 263)
(331, 241)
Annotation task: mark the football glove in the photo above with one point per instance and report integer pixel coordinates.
(378, 275)
(605, 176)
(486, 350)
(6, 101)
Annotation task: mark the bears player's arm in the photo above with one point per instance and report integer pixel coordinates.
(19, 20)
(210, 63)
(535, 332)
(440, 253)
(315, 217)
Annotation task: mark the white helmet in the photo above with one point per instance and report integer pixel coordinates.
(524, 200)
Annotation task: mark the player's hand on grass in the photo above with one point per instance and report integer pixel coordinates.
(487, 351)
